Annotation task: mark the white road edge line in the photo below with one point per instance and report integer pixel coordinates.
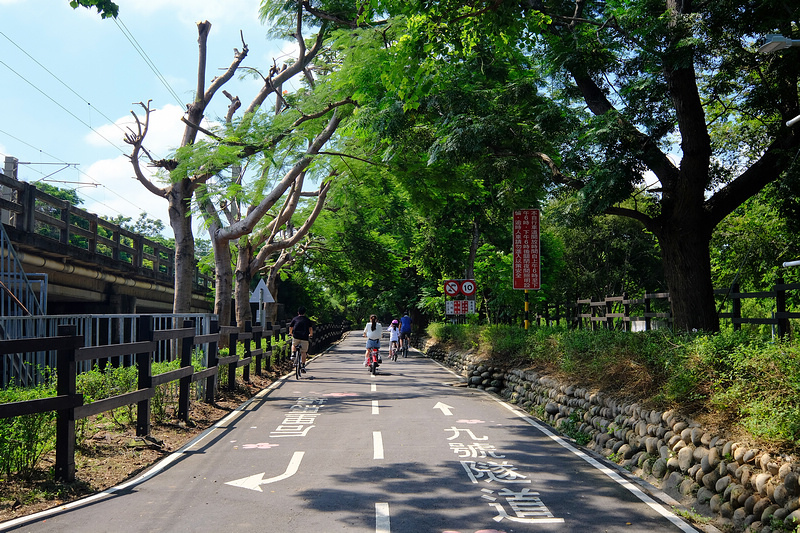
(382, 522)
(631, 487)
(375, 408)
(157, 468)
(377, 445)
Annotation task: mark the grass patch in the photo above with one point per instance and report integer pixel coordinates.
(749, 382)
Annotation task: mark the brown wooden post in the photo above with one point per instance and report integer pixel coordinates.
(248, 327)
(145, 378)
(780, 308)
(736, 305)
(66, 380)
(184, 385)
(646, 313)
(626, 313)
(233, 339)
(213, 357)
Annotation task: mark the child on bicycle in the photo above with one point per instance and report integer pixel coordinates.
(394, 337)
(373, 332)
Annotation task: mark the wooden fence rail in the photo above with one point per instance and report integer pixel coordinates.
(622, 312)
(69, 404)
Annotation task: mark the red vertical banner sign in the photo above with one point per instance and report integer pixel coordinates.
(527, 274)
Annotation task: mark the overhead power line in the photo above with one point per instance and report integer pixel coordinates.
(93, 180)
(61, 82)
(131, 39)
(73, 115)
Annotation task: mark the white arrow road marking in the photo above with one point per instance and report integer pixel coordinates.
(255, 482)
(377, 445)
(382, 524)
(444, 407)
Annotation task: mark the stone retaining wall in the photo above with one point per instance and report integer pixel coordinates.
(743, 488)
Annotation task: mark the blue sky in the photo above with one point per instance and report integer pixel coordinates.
(69, 79)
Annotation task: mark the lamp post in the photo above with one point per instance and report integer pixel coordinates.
(773, 43)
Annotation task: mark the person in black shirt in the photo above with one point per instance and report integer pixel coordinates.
(301, 329)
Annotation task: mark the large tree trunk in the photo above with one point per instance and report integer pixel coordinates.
(243, 279)
(687, 268)
(224, 278)
(181, 222)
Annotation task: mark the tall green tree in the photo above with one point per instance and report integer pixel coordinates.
(668, 95)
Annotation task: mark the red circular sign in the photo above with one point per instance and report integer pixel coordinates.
(468, 287)
(452, 287)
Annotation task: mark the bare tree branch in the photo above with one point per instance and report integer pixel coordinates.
(136, 139)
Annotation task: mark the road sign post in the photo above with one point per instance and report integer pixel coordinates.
(527, 260)
(455, 287)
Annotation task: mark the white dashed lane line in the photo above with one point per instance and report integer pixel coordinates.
(382, 524)
(377, 445)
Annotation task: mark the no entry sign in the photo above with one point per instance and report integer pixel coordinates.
(527, 274)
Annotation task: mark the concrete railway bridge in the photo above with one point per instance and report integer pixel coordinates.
(56, 259)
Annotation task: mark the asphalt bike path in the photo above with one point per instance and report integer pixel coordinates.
(409, 450)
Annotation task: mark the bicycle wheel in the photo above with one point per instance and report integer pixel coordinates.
(405, 348)
(394, 354)
(298, 363)
(373, 367)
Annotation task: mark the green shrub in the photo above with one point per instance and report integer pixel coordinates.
(24, 440)
(109, 381)
(165, 396)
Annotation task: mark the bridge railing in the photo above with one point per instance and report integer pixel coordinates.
(36, 213)
(71, 351)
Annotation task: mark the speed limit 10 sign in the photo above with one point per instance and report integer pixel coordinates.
(468, 287)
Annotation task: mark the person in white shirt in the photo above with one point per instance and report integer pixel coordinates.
(394, 336)
(372, 331)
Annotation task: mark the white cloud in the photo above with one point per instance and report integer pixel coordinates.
(219, 13)
(118, 191)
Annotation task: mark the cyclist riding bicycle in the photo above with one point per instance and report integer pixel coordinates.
(394, 337)
(301, 329)
(372, 331)
(405, 330)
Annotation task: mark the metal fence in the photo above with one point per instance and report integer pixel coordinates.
(97, 330)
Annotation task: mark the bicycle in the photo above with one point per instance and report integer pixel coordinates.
(404, 344)
(298, 362)
(373, 361)
(393, 351)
